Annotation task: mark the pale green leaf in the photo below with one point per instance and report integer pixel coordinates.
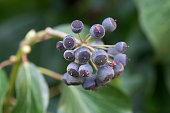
(31, 89)
(3, 85)
(106, 100)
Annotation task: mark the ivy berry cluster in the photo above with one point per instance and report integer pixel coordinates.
(108, 61)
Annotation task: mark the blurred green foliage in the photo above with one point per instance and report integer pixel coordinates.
(143, 24)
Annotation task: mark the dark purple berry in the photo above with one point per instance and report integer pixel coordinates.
(99, 57)
(109, 24)
(70, 80)
(69, 55)
(90, 83)
(121, 47)
(97, 31)
(82, 55)
(72, 69)
(121, 58)
(69, 42)
(85, 70)
(118, 69)
(77, 26)
(60, 46)
(104, 75)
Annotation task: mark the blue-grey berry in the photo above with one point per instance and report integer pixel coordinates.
(97, 42)
(97, 31)
(70, 80)
(121, 58)
(69, 55)
(118, 69)
(100, 83)
(85, 70)
(113, 51)
(60, 46)
(72, 69)
(99, 57)
(109, 24)
(121, 47)
(82, 55)
(90, 83)
(104, 75)
(77, 26)
(69, 42)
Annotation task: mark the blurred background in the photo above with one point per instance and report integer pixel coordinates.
(143, 24)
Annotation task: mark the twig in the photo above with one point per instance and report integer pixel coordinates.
(5, 63)
(50, 73)
(60, 34)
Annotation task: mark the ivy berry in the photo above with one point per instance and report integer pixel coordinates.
(99, 57)
(85, 70)
(82, 55)
(69, 55)
(97, 31)
(69, 42)
(72, 69)
(77, 26)
(109, 24)
(60, 46)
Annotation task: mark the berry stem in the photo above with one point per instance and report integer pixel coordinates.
(75, 49)
(93, 64)
(102, 45)
(50, 73)
(80, 38)
(102, 48)
(111, 55)
(86, 37)
(91, 49)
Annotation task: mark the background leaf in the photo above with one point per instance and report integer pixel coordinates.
(3, 87)
(31, 89)
(106, 100)
(154, 19)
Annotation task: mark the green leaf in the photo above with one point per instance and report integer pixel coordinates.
(155, 19)
(108, 99)
(67, 29)
(32, 90)
(3, 85)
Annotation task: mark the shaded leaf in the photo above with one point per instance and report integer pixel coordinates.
(31, 89)
(154, 19)
(106, 100)
(3, 85)
(167, 76)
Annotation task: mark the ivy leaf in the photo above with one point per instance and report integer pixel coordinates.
(3, 85)
(31, 89)
(106, 100)
(155, 19)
